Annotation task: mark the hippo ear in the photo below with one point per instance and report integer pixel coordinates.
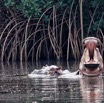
(59, 68)
(99, 42)
(83, 43)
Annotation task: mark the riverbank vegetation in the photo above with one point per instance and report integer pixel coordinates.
(48, 29)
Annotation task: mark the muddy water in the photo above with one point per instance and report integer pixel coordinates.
(16, 87)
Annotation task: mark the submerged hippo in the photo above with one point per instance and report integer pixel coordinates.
(52, 71)
(47, 71)
(91, 63)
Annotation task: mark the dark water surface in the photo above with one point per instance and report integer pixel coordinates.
(16, 87)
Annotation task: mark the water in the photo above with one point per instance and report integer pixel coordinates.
(16, 87)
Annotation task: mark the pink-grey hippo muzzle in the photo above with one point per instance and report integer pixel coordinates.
(91, 62)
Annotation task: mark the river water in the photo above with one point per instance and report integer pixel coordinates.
(16, 87)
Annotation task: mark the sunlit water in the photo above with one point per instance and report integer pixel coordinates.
(16, 87)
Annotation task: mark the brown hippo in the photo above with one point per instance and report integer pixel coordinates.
(91, 63)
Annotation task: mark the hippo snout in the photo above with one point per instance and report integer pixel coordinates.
(91, 62)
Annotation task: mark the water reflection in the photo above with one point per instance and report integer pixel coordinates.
(55, 91)
(92, 89)
(16, 87)
(12, 69)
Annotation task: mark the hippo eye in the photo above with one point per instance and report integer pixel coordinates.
(57, 68)
(97, 44)
(52, 69)
(84, 45)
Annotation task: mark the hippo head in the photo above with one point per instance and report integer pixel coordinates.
(91, 62)
(55, 71)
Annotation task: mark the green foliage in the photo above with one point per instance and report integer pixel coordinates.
(99, 21)
(34, 7)
(9, 3)
(94, 3)
(93, 9)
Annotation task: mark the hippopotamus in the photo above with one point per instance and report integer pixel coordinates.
(47, 71)
(52, 71)
(91, 63)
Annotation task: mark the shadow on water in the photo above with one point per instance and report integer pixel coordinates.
(16, 87)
